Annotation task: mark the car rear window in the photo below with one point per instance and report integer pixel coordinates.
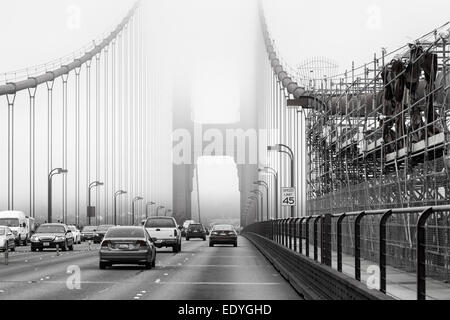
(223, 228)
(195, 227)
(160, 223)
(125, 233)
(89, 229)
(104, 228)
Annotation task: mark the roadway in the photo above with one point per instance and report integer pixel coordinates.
(197, 273)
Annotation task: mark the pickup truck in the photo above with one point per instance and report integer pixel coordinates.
(164, 232)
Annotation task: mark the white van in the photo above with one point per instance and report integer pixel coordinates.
(21, 225)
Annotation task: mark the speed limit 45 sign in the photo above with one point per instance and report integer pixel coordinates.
(288, 197)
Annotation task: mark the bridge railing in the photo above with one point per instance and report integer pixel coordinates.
(400, 247)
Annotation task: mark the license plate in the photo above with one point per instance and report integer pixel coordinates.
(46, 244)
(124, 246)
(223, 234)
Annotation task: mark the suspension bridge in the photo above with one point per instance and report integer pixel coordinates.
(350, 199)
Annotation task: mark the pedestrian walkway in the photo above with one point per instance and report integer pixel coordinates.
(400, 284)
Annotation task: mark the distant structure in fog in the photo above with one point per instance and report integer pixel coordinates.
(316, 68)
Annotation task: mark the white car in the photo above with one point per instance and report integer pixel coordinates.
(165, 232)
(76, 234)
(7, 239)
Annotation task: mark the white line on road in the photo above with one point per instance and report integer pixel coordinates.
(223, 283)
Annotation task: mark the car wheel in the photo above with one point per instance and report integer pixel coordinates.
(25, 242)
(211, 244)
(187, 239)
(13, 249)
(41, 249)
(71, 248)
(102, 265)
(33, 249)
(204, 239)
(148, 265)
(235, 244)
(154, 262)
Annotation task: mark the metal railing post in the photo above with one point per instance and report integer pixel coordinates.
(290, 220)
(421, 254)
(300, 236)
(326, 240)
(358, 245)
(307, 235)
(383, 248)
(339, 241)
(316, 235)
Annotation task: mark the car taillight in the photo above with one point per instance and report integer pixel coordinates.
(175, 233)
(141, 244)
(105, 244)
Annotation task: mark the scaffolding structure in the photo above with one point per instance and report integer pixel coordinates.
(358, 156)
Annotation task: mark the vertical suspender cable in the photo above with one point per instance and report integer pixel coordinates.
(106, 131)
(120, 111)
(88, 125)
(50, 126)
(11, 100)
(77, 146)
(97, 136)
(113, 115)
(32, 94)
(126, 107)
(64, 146)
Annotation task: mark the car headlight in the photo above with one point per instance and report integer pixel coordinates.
(34, 239)
(60, 239)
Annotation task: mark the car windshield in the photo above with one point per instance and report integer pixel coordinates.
(160, 223)
(89, 229)
(51, 229)
(12, 223)
(103, 228)
(2, 231)
(125, 233)
(223, 228)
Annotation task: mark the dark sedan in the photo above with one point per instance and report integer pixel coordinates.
(88, 233)
(52, 236)
(195, 231)
(223, 234)
(127, 245)
(100, 233)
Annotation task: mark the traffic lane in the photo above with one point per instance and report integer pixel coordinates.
(119, 282)
(26, 271)
(144, 285)
(221, 273)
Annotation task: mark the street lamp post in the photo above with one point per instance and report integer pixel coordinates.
(149, 204)
(266, 186)
(255, 199)
(281, 148)
(157, 210)
(133, 208)
(54, 172)
(274, 173)
(118, 193)
(91, 186)
(261, 213)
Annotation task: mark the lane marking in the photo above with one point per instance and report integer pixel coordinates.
(224, 283)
